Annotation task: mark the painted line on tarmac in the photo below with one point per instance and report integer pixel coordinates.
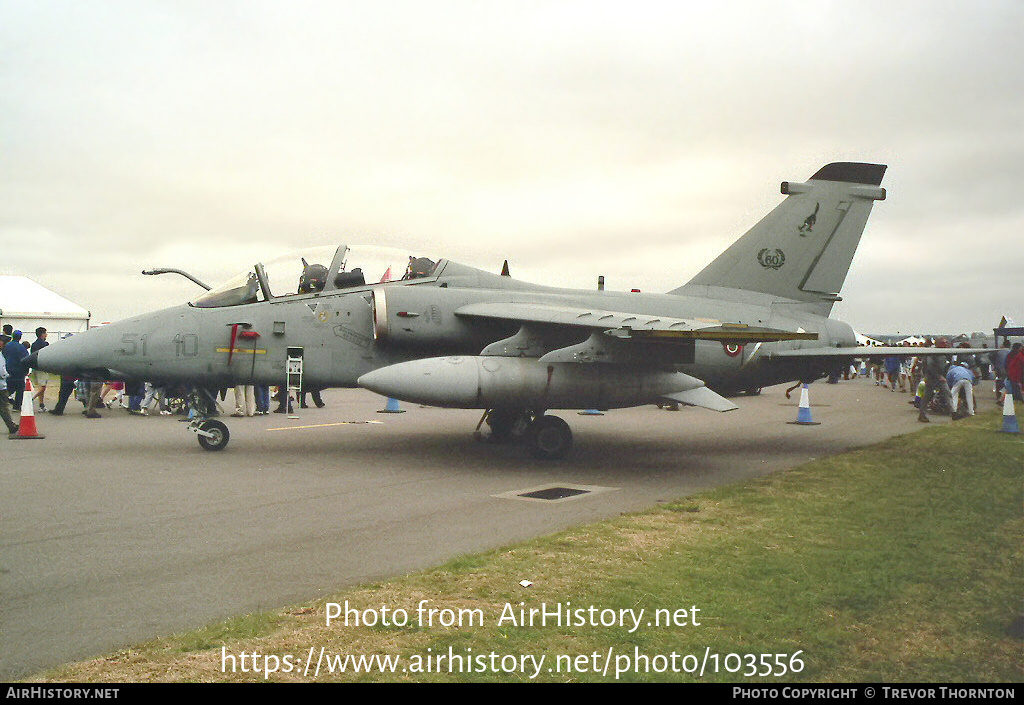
(323, 425)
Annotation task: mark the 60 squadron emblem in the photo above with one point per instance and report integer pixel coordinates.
(771, 259)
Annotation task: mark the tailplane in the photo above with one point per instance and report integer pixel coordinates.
(802, 250)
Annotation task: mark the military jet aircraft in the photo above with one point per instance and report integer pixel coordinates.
(449, 335)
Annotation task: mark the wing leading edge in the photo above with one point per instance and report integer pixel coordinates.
(875, 351)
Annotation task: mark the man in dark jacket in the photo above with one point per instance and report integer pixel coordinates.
(14, 356)
(5, 410)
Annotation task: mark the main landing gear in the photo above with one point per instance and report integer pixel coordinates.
(547, 437)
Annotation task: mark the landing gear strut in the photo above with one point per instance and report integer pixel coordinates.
(546, 437)
(212, 434)
(507, 425)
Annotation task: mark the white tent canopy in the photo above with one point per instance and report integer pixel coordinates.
(26, 305)
(865, 340)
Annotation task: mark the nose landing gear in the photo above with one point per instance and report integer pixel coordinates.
(212, 434)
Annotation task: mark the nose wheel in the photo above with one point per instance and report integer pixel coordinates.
(212, 434)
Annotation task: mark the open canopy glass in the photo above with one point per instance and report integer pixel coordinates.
(315, 270)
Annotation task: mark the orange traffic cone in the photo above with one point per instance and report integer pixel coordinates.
(27, 425)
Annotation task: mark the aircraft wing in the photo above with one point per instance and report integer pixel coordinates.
(630, 325)
(876, 351)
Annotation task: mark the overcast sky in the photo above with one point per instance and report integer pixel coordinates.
(630, 139)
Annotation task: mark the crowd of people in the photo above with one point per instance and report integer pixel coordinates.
(145, 399)
(945, 384)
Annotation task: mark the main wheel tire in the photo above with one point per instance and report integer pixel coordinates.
(220, 436)
(549, 438)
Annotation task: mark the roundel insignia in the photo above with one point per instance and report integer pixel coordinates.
(732, 349)
(771, 259)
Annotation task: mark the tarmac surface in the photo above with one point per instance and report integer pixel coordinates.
(121, 529)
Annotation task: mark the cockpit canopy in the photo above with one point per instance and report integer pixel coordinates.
(315, 270)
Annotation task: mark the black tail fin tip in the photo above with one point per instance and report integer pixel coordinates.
(852, 173)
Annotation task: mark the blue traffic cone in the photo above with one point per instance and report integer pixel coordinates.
(391, 407)
(1010, 424)
(803, 414)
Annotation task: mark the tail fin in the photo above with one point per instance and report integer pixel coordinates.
(802, 250)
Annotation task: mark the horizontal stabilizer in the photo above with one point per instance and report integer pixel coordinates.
(703, 397)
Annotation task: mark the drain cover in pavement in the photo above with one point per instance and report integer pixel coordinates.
(554, 493)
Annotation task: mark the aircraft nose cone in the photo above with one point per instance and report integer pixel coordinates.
(65, 357)
(52, 358)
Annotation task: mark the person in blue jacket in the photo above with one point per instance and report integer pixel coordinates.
(14, 357)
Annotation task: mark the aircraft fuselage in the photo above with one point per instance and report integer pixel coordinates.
(346, 334)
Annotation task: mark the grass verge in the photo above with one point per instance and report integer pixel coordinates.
(903, 561)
